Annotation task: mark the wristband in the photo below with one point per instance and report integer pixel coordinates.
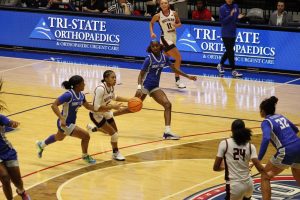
(139, 87)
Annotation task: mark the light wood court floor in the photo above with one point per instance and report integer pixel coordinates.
(154, 169)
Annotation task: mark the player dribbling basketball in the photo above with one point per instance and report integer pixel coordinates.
(103, 120)
(148, 83)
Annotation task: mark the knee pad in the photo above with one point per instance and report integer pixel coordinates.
(114, 137)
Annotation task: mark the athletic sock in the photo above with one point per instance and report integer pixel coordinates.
(49, 140)
(115, 150)
(168, 129)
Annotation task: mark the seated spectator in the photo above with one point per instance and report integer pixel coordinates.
(152, 7)
(60, 5)
(202, 13)
(121, 7)
(280, 17)
(94, 6)
(34, 3)
(14, 3)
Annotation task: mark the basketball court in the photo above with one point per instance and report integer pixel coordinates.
(154, 168)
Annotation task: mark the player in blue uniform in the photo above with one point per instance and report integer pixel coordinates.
(71, 100)
(282, 133)
(9, 165)
(148, 83)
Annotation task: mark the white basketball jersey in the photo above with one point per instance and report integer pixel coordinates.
(103, 95)
(167, 24)
(236, 159)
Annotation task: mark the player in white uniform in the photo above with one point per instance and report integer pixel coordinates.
(103, 119)
(237, 152)
(168, 21)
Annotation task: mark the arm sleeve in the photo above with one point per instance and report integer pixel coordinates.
(236, 14)
(146, 64)
(223, 18)
(65, 97)
(253, 151)
(4, 120)
(98, 97)
(221, 149)
(266, 129)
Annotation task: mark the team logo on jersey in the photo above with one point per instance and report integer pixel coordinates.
(283, 187)
(42, 31)
(187, 42)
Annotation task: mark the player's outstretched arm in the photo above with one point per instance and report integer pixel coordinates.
(122, 99)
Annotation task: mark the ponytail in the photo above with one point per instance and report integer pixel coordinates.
(73, 81)
(269, 105)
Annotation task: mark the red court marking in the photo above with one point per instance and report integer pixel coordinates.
(125, 147)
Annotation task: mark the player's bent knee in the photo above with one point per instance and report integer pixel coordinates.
(167, 105)
(114, 137)
(86, 137)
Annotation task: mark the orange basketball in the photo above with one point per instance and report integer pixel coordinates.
(135, 104)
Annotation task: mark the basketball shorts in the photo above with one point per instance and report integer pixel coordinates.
(100, 118)
(68, 129)
(9, 158)
(169, 42)
(238, 190)
(288, 156)
(148, 89)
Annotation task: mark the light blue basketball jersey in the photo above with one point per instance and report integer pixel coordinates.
(71, 102)
(153, 67)
(284, 131)
(4, 121)
(281, 132)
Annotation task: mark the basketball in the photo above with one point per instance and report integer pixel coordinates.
(135, 104)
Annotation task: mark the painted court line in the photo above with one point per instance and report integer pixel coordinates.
(61, 187)
(285, 83)
(30, 64)
(194, 186)
(129, 146)
(288, 82)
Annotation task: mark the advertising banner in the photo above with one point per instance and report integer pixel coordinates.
(197, 43)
